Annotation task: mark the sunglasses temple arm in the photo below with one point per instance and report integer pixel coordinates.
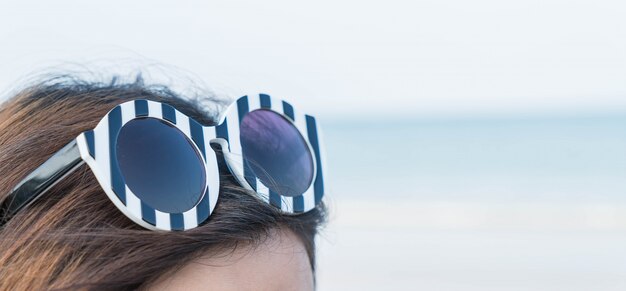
(59, 165)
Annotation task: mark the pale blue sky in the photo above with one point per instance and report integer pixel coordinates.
(394, 58)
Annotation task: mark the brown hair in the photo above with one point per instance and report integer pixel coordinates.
(73, 237)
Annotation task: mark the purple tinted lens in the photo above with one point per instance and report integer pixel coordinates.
(276, 153)
(160, 165)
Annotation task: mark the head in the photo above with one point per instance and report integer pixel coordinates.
(73, 237)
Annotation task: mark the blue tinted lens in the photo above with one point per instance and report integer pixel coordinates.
(160, 165)
(276, 152)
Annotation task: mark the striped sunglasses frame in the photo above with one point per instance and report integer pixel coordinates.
(97, 147)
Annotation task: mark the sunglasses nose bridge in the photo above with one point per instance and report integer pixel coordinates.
(222, 143)
(233, 162)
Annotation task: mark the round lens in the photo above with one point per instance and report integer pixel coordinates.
(276, 152)
(160, 165)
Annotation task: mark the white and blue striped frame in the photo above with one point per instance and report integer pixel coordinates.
(228, 131)
(97, 146)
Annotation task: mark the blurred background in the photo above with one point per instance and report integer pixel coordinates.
(473, 145)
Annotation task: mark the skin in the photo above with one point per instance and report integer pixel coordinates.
(278, 263)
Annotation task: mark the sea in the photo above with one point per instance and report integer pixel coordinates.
(482, 203)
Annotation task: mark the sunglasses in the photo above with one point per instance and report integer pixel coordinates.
(156, 164)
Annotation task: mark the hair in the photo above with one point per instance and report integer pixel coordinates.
(73, 237)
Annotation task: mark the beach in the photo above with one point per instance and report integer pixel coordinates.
(486, 204)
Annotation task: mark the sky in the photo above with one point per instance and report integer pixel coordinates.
(342, 59)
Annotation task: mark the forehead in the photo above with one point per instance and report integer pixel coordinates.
(279, 263)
